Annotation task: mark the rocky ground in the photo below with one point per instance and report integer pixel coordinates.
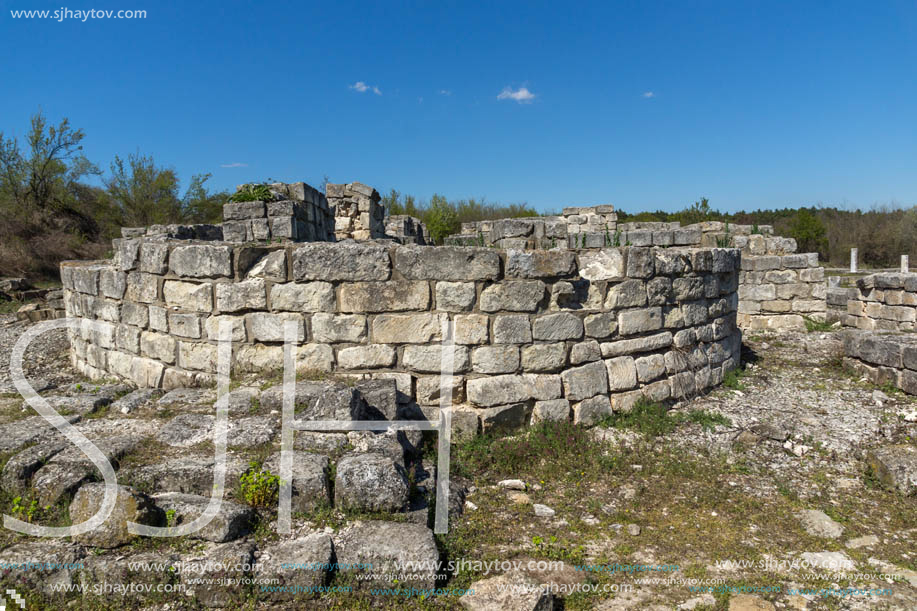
(772, 492)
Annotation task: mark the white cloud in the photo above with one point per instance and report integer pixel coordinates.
(521, 95)
(445, 92)
(361, 87)
(649, 94)
(234, 164)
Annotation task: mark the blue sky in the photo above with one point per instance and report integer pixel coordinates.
(644, 105)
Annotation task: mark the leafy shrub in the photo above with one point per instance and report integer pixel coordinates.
(259, 488)
(252, 193)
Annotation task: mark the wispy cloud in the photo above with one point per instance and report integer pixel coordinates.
(445, 92)
(362, 87)
(521, 95)
(649, 94)
(234, 164)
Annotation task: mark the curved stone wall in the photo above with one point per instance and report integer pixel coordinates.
(542, 334)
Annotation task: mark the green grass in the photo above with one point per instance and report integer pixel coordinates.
(733, 379)
(817, 326)
(252, 193)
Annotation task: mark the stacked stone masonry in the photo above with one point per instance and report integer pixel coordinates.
(538, 334)
(298, 213)
(883, 358)
(358, 214)
(883, 302)
(778, 288)
(407, 229)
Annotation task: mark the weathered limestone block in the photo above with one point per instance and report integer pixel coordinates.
(245, 295)
(237, 326)
(650, 367)
(504, 418)
(112, 283)
(267, 327)
(333, 328)
(198, 356)
(455, 296)
(366, 357)
(185, 325)
(601, 326)
(154, 257)
(303, 297)
(638, 344)
(408, 328)
(158, 346)
(495, 359)
(622, 373)
(344, 261)
(142, 288)
(428, 359)
(591, 410)
(200, 261)
(544, 357)
(512, 329)
(394, 296)
(471, 329)
(640, 263)
(259, 358)
(627, 294)
(272, 266)
(242, 211)
(554, 410)
(130, 506)
(447, 263)
(557, 327)
(370, 482)
(539, 263)
(585, 381)
(188, 295)
(631, 322)
(513, 296)
(499, 390)
(605, 264)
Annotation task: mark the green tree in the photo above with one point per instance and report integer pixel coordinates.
(43, 179)
(441, 219)
(809, 232)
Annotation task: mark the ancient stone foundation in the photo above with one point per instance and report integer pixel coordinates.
(883, 358)
(538, 335)
(883, 302)
(778, 288)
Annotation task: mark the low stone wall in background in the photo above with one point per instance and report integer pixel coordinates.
(883, 358)
(299, 213)
(407, 229)
(538, 334)
(883, 302)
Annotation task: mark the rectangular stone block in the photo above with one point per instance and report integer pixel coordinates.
(185, 325)
(158, 346)
(631, 322)
(333, 328)
(450, 263)
(189, 296)
(513, 296)
(201, 261)
(408, 328)
(471, 329)
(347, 261)
(238, 296)
(243, 210)
(497, 390)
(366, 357)
(585, 381)
(197, 356)
(268, 327)
(393, 296)
(638, 344)
(154, 257)
(303, 297)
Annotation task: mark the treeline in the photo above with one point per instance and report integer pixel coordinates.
(49, 212)
(882, 234)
